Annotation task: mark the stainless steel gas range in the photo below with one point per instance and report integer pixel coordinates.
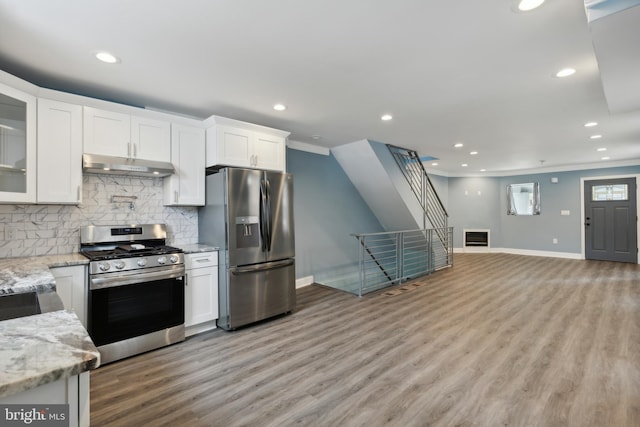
(136, 289)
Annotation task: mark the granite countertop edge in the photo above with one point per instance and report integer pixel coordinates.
(39, 349)
(33, 274)
(195, 248)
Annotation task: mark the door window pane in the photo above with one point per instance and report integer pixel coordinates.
(609, 192)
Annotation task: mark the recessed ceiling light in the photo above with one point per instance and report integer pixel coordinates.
(601, 149)
(526, 5)
(316, 137)
(566, 72)
(595, 136)
(279, 107)
(107, 57)
(386, 117)
(606, 158)
(483, 170)
(458, 145)
(434, 164)
(590, 124)
(473, 153)
(464, 165)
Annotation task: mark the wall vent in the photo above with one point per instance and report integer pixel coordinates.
(476, 240)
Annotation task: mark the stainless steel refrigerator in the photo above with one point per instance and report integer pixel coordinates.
(248, 213)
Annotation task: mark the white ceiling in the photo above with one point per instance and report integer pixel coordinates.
(474, 72)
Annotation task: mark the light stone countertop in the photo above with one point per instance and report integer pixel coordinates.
(32, 274)
(38, 349)
(197, 248)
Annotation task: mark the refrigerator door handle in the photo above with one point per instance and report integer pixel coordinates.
(268, 211)
(262, 267)
(265, 214)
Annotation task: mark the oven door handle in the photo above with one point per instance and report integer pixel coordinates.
(101, 282)
(262, 267)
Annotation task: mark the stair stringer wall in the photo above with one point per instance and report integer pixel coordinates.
(377, 177)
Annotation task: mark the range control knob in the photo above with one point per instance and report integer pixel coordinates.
(119, 265)
(173, 259)
(104, 266)
(162, 260)
(142, 262)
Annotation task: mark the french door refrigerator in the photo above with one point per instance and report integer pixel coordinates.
(248, 214)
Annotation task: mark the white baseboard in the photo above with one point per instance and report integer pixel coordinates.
(304, 281)
(528, 252)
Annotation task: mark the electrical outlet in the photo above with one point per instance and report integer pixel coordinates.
(555, 241)
(9, 233)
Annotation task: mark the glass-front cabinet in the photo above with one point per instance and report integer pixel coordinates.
(17, 146)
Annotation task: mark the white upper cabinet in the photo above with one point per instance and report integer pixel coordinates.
(107, 132)
(150, 139)
(116, 134)
(17, 146)
(186, 186)
(59, 152)
(269, 152)
(234, 146)
(240, 144)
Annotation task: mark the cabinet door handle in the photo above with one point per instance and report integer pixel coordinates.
(186, 279)
(79, 190)
(175, 197)
(135, 151)
(129, 149)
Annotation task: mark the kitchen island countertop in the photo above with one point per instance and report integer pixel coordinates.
(38, 349)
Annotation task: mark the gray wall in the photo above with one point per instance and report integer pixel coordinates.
(488, 210)
(473, 203)
(327, 209)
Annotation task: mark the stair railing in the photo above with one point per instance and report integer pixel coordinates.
(434, 212)
(390, 258)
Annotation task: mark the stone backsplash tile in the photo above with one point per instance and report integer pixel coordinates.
(55, 229)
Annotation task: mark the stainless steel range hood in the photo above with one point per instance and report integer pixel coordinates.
(93, 163)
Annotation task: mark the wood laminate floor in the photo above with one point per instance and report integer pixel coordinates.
(497, 340)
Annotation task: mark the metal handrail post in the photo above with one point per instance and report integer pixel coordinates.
(399, 257)
(429, 251)
(361, 264)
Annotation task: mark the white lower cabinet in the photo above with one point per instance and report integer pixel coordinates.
(73, 391)
(72, 289)
(201, 292)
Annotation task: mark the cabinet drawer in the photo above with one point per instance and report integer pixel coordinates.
(201, 260)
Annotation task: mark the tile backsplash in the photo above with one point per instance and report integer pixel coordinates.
(31, 230)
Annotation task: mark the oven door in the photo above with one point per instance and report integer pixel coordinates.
(124, 305)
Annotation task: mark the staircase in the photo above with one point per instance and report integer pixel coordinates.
(395, 185)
